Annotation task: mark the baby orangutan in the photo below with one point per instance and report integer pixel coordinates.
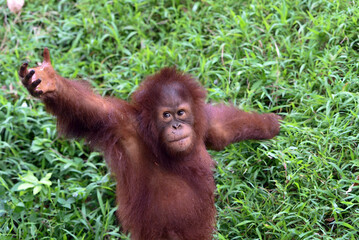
(155, 145)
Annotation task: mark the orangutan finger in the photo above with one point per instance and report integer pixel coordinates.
(23, 69)
(34, 84)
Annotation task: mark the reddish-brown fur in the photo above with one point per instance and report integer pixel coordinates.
(159, 196)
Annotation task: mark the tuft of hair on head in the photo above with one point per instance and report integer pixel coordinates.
(147, 93)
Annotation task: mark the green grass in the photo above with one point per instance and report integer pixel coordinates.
(296, 58)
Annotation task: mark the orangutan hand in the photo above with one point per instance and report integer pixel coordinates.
(41, 79)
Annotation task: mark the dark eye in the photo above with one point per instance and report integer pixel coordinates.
(166, 115)
(180, 112)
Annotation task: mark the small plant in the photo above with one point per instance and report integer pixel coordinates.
(29, 181)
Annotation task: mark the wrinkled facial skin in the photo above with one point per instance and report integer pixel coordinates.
(175, 124)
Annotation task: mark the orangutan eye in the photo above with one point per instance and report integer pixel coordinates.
(180, 112)
(166, 115)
